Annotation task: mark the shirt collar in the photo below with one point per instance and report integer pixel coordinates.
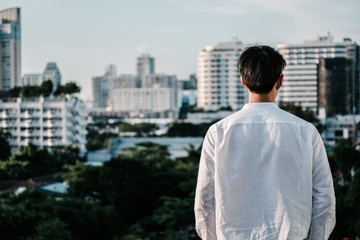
(261, 105)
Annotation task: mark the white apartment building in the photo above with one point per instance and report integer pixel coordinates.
(218, 79)
(144, 100)
(300, 84)
(44, 122)
(10, 48)
(159, 96)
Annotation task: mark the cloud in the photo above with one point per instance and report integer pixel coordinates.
(145, 47)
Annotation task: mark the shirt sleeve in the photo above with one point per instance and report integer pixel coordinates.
(205, 192)
(323, 209)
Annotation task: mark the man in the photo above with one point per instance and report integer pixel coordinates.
(263, 172)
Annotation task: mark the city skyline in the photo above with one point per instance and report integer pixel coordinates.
(84, 38)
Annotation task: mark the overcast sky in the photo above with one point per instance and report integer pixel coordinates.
(84, 36)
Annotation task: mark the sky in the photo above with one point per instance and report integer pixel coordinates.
(83, 37)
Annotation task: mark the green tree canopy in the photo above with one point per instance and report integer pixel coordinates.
(4, 145)
(46, 88)
(30, 91)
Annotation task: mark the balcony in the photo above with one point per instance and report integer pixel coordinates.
(53, 124)
(27, 141)
(30, 123)
(50, 142)
(27, 114)
(51, 133)
(30, 133)
(6, 114)
(53, 114)
(5, 124)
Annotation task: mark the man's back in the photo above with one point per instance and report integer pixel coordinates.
(258, 170)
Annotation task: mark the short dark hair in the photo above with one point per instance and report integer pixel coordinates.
(260, 68)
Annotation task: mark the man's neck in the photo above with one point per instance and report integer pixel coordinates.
(257, 98)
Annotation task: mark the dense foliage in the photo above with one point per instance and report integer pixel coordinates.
(181, 129)
(4, 145)
(45, 89)
(32, 161)
(152, 194)
(68, 88)
(96, 140)
(141, 129)
(34, 216)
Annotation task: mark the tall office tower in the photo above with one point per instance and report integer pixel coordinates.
(52, 73)
(353, 50)
(335, 86)
(314, 72)
(219, 82)
(10, 48)
(100, 91)
(102, 87)
(145, 65)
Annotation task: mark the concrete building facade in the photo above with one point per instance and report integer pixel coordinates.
(218, 79)
(44, 122)
(315, 72)
(51, 72)
(10, 48)
(145, 65)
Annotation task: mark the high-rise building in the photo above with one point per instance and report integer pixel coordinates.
(101, 93)
(145, 65)
(218, 79)
(52, 73)
(335, 86)
(321, 74)
(10, 48)
(102, 87)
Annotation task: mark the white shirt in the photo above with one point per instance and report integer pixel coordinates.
(264, 174)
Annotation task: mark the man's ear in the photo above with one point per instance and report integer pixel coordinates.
(243, 83)
(279, 82)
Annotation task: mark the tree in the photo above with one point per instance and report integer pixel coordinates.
(59, 90)
(30, 91)
(15, 91)
(71, 88)
(153, 194)
(46, 88)
(53, 229)
(4, 145)
(33, 215)
(347, 161)
(14, 170)
(68, 88)
(40, 161)
(188, 129)
(65, 155)
(97, 140)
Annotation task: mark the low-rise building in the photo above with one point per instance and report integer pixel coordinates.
(44, 122)
(340, 127)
